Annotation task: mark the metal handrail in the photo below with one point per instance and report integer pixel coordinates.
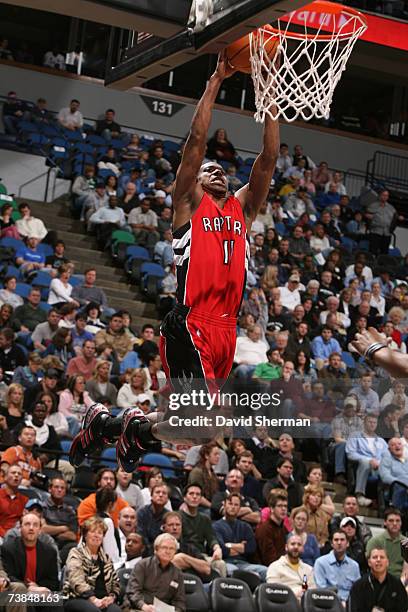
(20, 189)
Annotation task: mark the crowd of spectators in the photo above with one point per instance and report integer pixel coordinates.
(319, 271)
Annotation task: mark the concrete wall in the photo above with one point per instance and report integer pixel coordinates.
(340, 151)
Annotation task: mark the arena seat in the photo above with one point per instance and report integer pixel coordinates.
(83, 482)
(250, 578)
(136, 256)
(231, 594)
(13, 271)
(14, 243)
(151, 276)
(95, 140)
(123, 575)
(108, 457)
(196, 597)
(156, 460)
(23, 290)
(316, 600)
(274, 597)
(65, 446)
(348, 360)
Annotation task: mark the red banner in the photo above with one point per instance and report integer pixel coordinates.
(388, 32)
(380, 30)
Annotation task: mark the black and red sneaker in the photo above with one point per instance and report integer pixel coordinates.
(134, 439)
(90, 439)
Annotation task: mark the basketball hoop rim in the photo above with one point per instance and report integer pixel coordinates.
(324, 7)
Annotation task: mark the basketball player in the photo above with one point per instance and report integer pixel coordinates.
(211, 246)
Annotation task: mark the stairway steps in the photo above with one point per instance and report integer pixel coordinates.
(81, 249)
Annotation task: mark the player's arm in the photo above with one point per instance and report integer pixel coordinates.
(194, 149)
(254, 194)
(394, 362)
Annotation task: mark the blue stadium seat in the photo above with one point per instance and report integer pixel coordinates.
(103, 174)
(137, 252)
(117, 143)
(73, 136)
(45, 306)
(13, 271)
(76, 280)
(96, 140)
(51, 131)
(348, 360)
(37, 140)
(83, 147)
(108, 456)
(45, 249)
(23, 290)
(151, 275)
(171, 145)
(395, 252)
(348, 243)
(164, 463)
(280, 228)
(65, 446)
(14, 243)
(28, 126)
(43, 280)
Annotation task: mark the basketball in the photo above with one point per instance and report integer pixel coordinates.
(238, 52)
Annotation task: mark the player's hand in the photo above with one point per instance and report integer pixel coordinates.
(224, 69)
(363, 341)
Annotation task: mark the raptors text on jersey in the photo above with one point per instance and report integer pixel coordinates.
(211, 256)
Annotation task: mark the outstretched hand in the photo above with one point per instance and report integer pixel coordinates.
(224, 69)
(364, 340)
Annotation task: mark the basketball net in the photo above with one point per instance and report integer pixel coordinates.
(300, 78)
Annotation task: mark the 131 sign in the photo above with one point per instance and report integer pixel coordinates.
(161, 107)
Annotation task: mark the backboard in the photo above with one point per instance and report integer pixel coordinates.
(150, 55)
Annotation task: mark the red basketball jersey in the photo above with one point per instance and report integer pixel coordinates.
(211, 253)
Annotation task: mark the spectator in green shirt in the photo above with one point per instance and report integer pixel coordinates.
(270, 370)
(390, 540)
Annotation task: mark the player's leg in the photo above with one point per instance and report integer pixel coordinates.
(133, 431)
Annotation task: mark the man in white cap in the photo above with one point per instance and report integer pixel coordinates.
(144, 402)
(290, 296)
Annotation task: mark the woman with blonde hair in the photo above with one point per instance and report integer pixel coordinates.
(318, 521)
(73, 402)
(300, 519)
(129, 392)
(396, 315)
(99, 386)
(90, 580)
(13, 411)
(270, 278)
(315, 477)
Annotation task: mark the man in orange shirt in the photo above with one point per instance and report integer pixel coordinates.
(87, 507)
(22, 455)
(12, 502)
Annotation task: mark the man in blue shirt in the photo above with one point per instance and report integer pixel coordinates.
(368, 398)
(79, 334)
(366, 448)
(323, 346)
(393, 468)
(337, 569)
(236, 539)
(28, 257)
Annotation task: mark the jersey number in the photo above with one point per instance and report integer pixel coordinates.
(228, 250)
